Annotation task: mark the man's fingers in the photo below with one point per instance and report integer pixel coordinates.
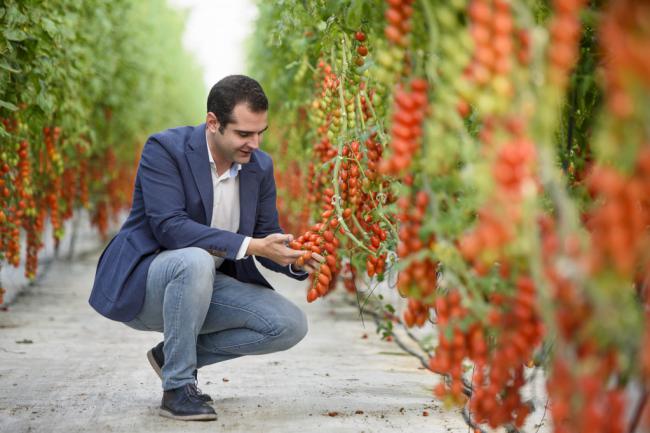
(309, 268)
(318, 257)
(294, 253)
(281, 238)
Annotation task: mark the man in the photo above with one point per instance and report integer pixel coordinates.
(182, 263)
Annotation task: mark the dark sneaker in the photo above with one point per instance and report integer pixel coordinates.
(156, 358)
(184, 404)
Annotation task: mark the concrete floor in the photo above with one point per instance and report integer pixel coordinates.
(64, 368)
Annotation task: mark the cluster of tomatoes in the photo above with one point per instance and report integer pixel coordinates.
(112, 184)
(454, 345)
(499, 46)
(625, 38)
(513, 169)
(406, 130)
(520, 330)
(361, 48)
(325, 112)
(350, 175)
(571, 310)
(492, 32)
(418, 281)
(565, 32)
(513, 172)
(82, 176)
(40, 180)
(12, 213)
(10, 216)
(619, 239)
(498, 373)
(589, 386)
(292, 182)
(349, 277)
(619, 224)
(391, 53)
(50, 165)
(398, 18)
(485, 244)
(321, 239)
(599, 407)
(513, 323)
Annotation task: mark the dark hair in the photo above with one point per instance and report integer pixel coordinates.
(232, 90)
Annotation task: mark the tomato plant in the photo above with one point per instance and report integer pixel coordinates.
(494, 154)
(82, 84)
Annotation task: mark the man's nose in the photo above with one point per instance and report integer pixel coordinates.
(255, 141)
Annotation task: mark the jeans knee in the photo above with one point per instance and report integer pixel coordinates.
(292, 329)
(196, 266)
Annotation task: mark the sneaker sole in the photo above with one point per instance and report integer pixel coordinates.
(199, 417)
(154, 364)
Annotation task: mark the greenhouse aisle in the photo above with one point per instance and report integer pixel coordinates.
(64, 368)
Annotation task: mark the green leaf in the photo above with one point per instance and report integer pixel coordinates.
(4, 65)
(44, 99)
(49, 26)
(8, 105)
(15, 35)
(355, 12)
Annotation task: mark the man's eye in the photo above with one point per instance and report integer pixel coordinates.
(244, 134)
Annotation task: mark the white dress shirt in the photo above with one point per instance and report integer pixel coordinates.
(225, 204)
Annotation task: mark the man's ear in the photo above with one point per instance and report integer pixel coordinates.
(211, 122)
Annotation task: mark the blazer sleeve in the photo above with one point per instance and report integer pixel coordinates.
(267, 223)
(165, 208)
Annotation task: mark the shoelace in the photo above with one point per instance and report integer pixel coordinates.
(196, 383)
(196, 386)
(194, 390)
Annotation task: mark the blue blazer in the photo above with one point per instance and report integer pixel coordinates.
(172, 208)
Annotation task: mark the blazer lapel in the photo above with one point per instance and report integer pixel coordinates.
(197, 157)
(248, 192)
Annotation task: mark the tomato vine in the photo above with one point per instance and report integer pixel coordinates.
(82, 83)
(494, 154)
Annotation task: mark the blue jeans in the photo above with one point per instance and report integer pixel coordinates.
(209, 317)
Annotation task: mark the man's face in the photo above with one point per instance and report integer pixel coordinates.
(239, 138)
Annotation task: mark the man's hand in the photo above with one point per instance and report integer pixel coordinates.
(274, 247)
(310, 265)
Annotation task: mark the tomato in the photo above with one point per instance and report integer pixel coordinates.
(312, 295)
(393, 16)
(393, 34)
(325, 269)
(323, 279)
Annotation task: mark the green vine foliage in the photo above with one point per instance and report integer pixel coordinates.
(74, 63)
(104, 75)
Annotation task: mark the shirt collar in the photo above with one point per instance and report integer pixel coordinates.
(234, 168)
